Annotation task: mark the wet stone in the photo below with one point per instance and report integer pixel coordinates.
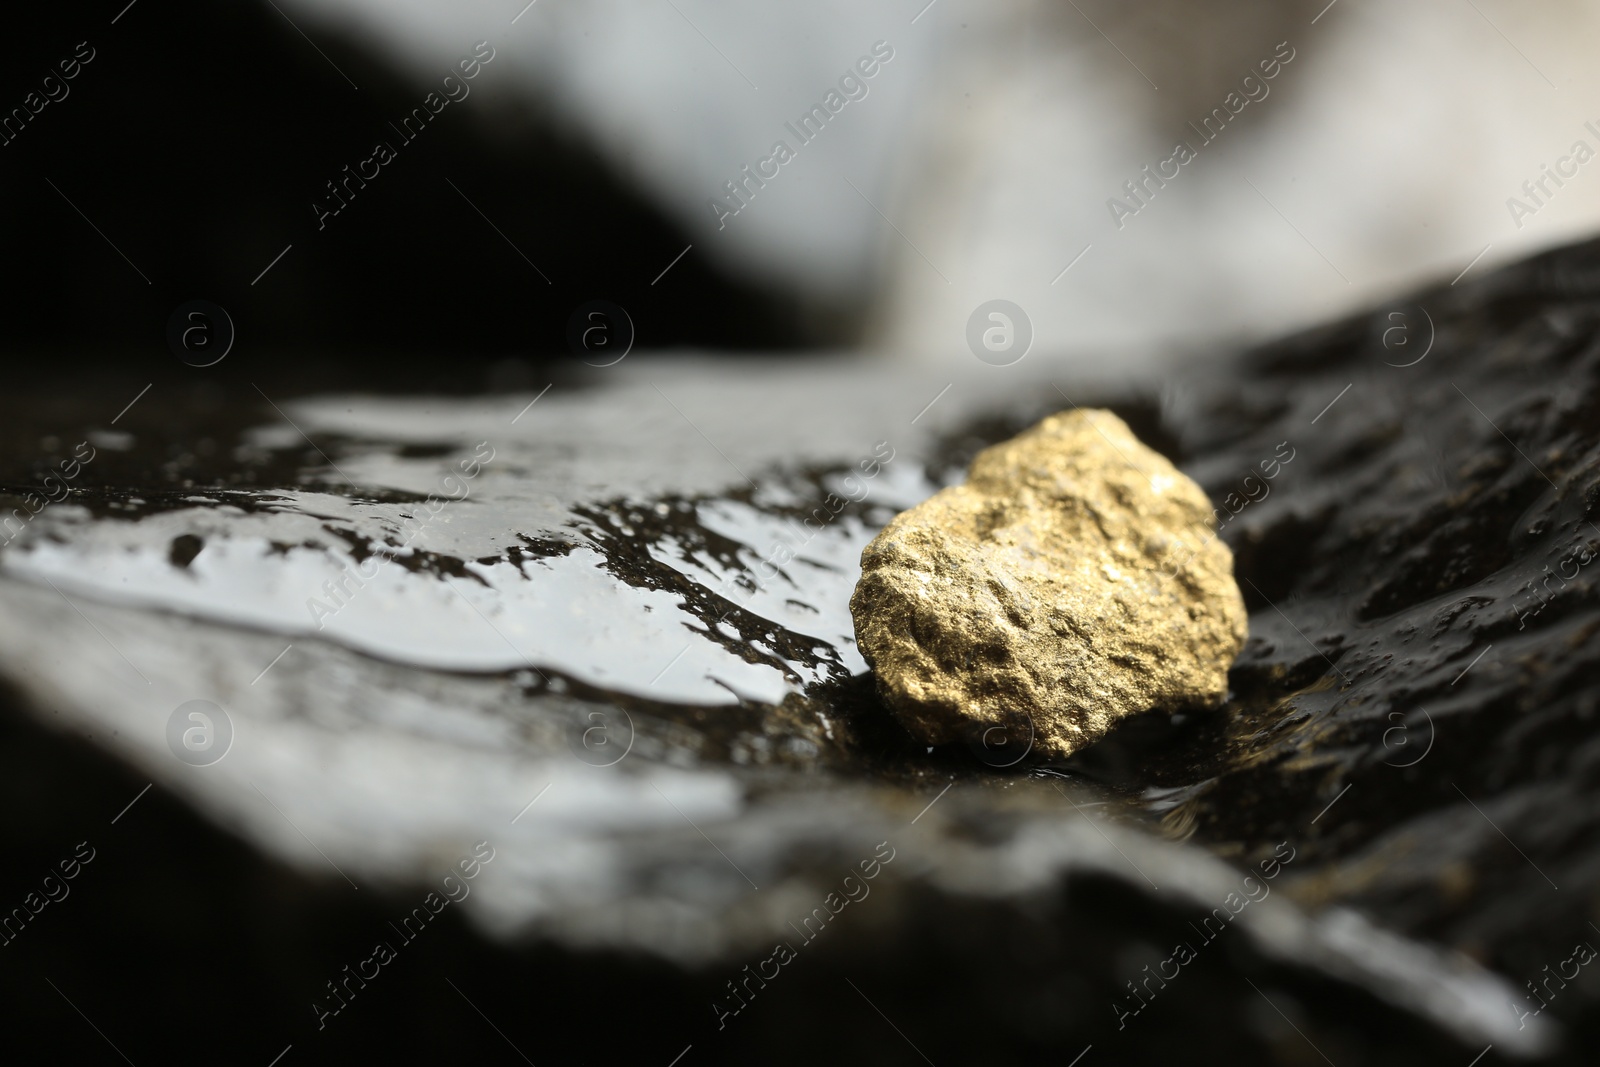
(1073, 580)
(640, 603)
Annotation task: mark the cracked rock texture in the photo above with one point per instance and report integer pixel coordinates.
(1073, 580)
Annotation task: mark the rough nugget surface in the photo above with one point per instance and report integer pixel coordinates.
(1074, 579)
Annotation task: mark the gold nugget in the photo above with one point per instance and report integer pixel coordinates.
(1075, 579)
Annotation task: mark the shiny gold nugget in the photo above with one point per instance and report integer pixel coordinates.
(1073, 580)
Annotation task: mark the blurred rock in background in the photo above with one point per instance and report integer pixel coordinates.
(982, 159)
(978, 162)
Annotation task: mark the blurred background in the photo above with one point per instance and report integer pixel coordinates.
(984, 158)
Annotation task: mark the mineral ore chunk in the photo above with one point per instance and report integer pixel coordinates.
(1073, 580)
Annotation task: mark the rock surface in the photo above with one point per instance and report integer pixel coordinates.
(1073, 580)
(1412, 719)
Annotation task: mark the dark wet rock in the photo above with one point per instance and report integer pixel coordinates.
(620, 651)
